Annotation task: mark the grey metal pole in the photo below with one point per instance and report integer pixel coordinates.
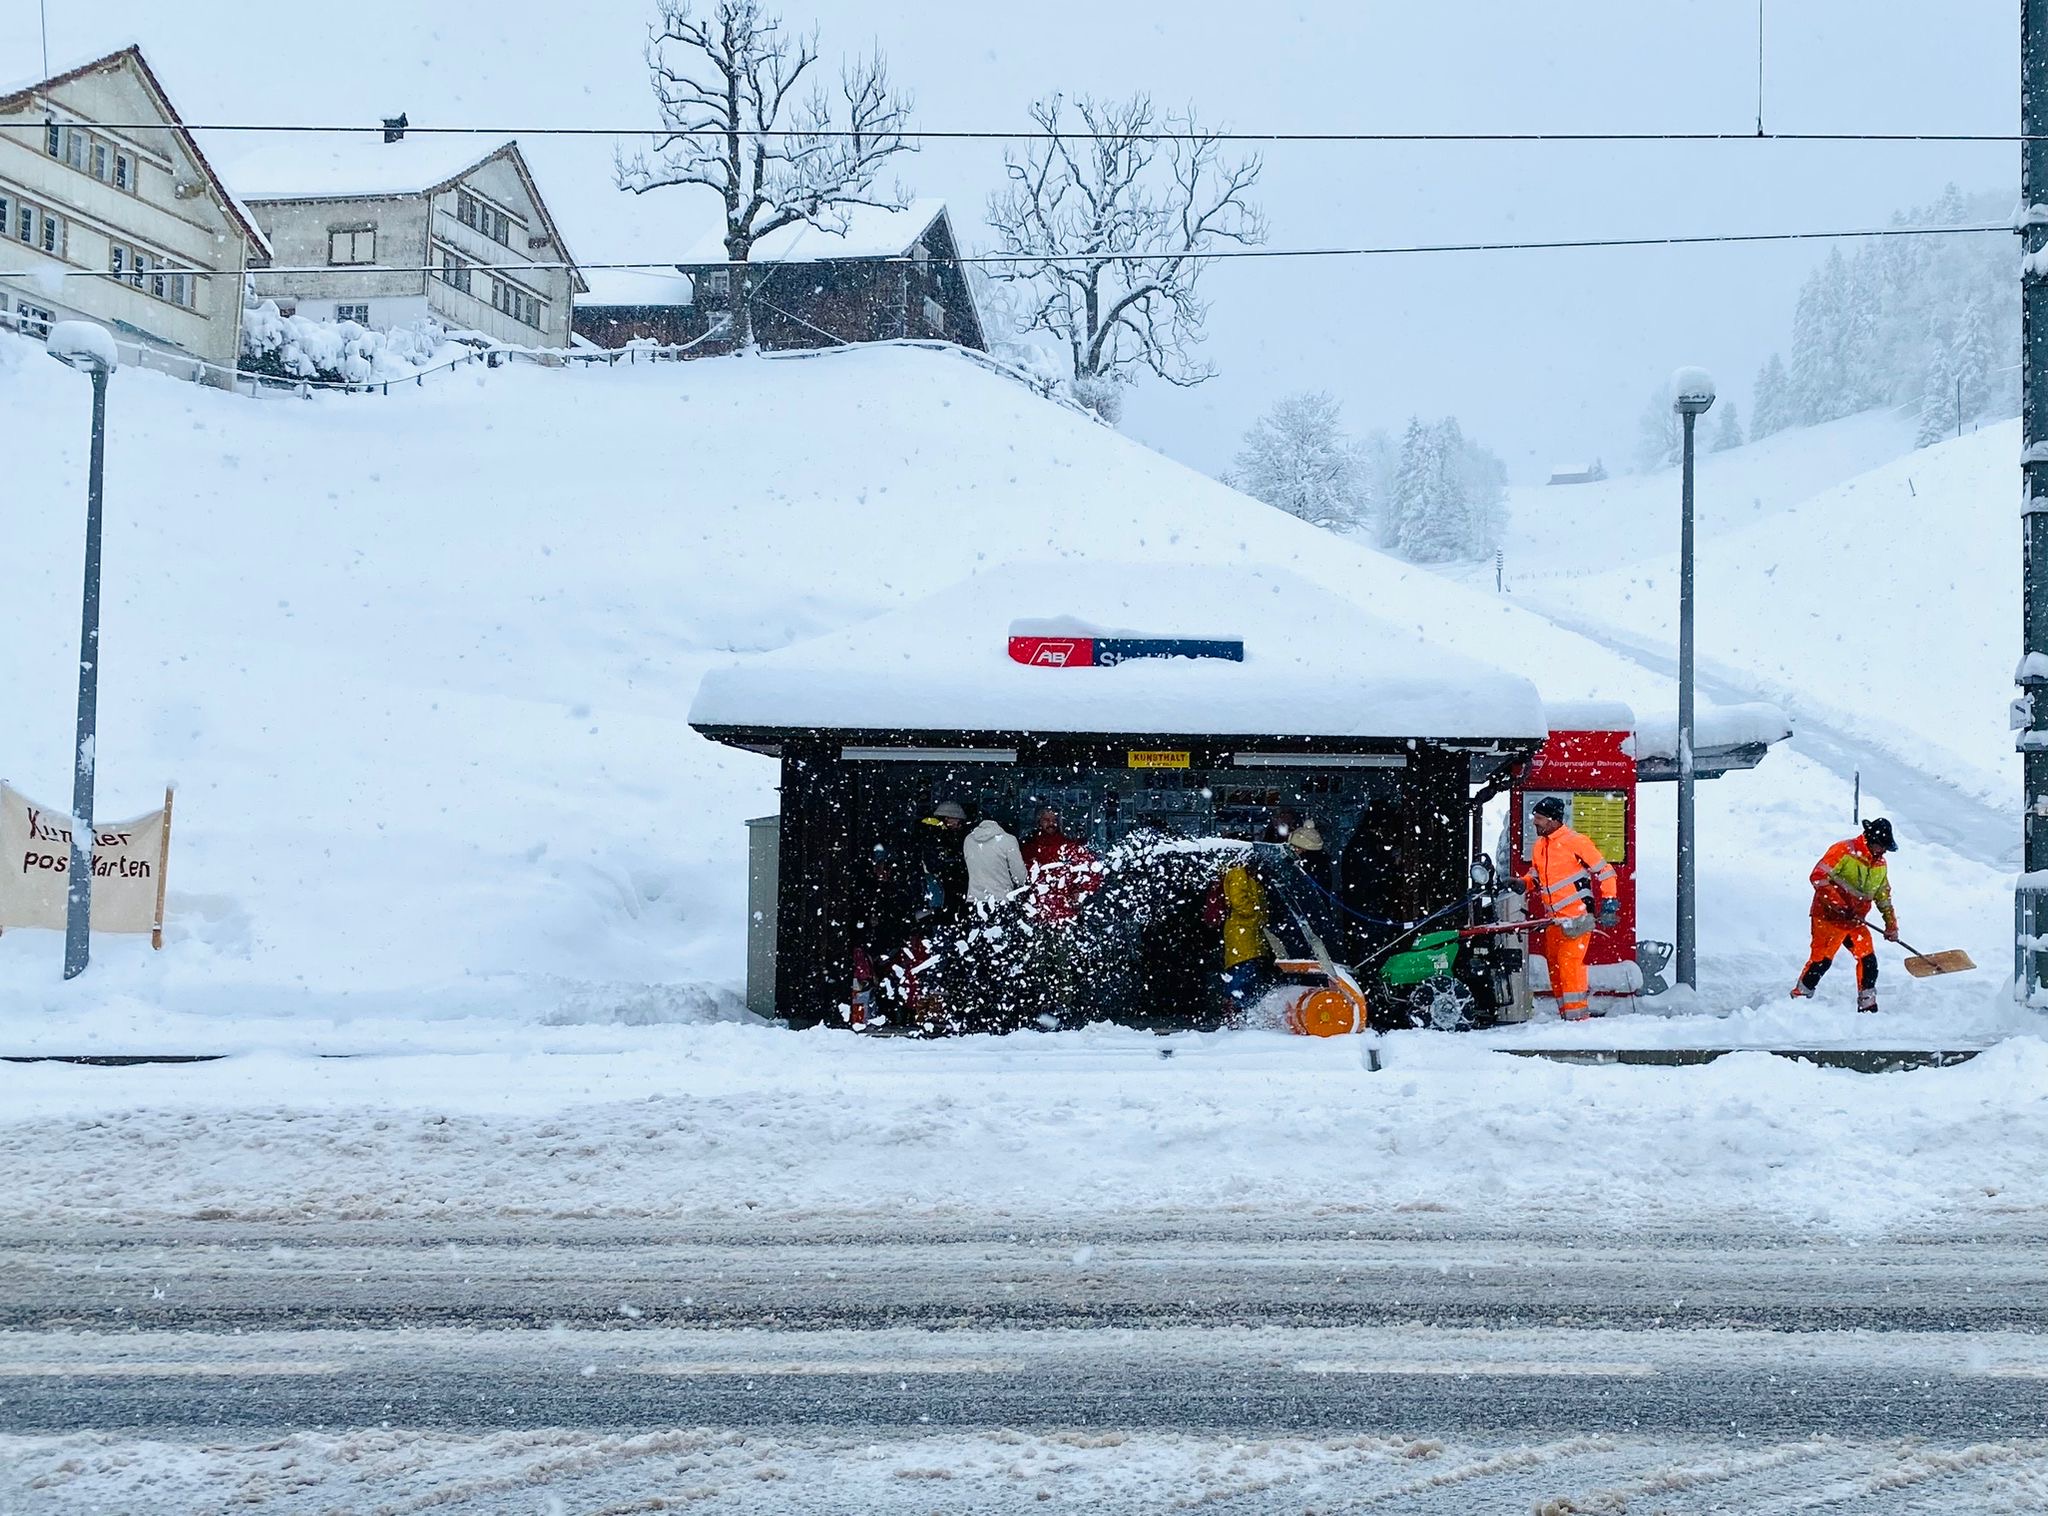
(2030, 964)
(1688, 946)
(78, 913)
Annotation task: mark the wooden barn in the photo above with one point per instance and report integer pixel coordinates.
(888, 275)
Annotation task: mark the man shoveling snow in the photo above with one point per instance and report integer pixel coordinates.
(1849, 879)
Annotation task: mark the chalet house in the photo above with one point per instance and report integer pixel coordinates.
(887, 275)
(385, 231)
(123, 223)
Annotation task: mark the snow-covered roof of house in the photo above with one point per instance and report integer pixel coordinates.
(862, 231)
(355, 164)
(20, 91)
(1315, 665)
(637, 286)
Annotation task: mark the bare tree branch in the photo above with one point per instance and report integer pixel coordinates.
(740, 117)
(1105, 221)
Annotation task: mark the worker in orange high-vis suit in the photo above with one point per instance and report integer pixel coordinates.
(1850, 878)
(1566, 873)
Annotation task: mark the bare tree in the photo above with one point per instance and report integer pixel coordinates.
(727, 88)
(1108, 223)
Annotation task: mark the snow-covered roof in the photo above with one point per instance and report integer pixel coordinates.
(338, 165)
(1715, 727)
(634, 286)
(868, 232)
(1315, 665)
(17, 93)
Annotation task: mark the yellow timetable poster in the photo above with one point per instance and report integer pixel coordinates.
(1603, 816)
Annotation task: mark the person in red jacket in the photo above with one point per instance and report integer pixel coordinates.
(1565, 872)
(1063, 870)
(1850, 878)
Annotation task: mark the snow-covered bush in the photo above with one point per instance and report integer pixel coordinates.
(336, 352)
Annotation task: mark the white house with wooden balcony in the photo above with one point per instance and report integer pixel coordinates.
(112, 213)
(385, 230)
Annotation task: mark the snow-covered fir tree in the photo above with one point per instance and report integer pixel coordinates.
(1299, 459)
(1443, 497)
(1866, 328)
(1773, 400)
(1937, 398)
(1727, 428)
(1969, 346)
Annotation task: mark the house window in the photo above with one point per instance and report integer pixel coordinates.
(139, 269)
(360, 314)
(934, 316)
(117, 260)
(35, 320)
(124, 172)
(352, 245)
(719, 282)
(501, 228)
(53, 139)
(465, 208)
(99, 160)
(75, 142)
(454, 272)
(53, 235)
(25, 224)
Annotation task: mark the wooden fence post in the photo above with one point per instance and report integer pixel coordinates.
(163, 872)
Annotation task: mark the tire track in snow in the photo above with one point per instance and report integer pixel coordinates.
(1941, 811)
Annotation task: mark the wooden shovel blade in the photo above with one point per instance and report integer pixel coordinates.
(1954, 961)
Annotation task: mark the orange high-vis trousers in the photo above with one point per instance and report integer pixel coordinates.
(1566, 958)
(1829, 938)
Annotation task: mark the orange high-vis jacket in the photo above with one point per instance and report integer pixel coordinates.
(1562, 867)
(1848, 880)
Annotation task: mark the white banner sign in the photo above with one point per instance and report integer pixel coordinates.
(128, 860)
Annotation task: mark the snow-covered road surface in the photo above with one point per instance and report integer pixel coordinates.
(1234, 1366)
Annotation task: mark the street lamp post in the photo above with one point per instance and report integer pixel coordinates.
(88, 348)
(1692, 395)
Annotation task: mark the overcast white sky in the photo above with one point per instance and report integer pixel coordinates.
(1546, 356)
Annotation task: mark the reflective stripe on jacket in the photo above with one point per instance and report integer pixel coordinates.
(1564, 869)
(1849, 879)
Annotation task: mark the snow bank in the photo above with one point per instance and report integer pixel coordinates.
(1091, 1122)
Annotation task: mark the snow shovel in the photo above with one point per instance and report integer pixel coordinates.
(1921, 965)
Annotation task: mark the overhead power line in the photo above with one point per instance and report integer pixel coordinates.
(1210, 255)
(1025, 134)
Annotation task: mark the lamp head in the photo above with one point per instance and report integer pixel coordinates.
(84, 345)
(1692, 391)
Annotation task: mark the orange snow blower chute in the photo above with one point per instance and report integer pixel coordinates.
(1332, 1007)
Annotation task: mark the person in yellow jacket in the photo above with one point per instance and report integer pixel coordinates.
(1566, 872)
(1247, 957)
(1850, 878)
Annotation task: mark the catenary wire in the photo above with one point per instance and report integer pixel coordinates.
(1026, 134)
(1208, 255)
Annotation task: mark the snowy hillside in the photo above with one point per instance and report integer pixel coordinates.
(421, 665)
(1841, 575)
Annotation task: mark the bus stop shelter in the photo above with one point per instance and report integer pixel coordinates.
(1195, 700)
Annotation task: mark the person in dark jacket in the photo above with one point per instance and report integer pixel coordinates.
(944, 834)
(1370, 880)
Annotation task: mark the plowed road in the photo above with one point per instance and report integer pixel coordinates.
(1541, 1367)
